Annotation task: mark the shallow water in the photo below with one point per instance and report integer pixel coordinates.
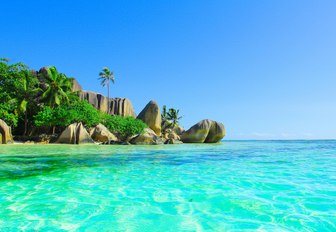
(232, 186)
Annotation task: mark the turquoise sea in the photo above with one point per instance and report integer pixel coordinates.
(231, 186)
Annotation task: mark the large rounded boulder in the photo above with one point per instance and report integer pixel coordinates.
(206, 131)
(5, 133)
(75, 134)
(101, 134)
(149, 137)
(151, 115)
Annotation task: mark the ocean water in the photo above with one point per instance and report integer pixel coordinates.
(231, 186)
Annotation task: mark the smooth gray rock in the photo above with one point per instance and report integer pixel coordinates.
(206, 131)
(75, 134)
(101, 134)
(149, 137)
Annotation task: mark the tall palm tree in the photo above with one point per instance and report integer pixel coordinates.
(29, 91)
(106, 76)
(58, 88)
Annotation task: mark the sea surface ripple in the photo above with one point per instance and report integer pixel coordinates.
(231, 186)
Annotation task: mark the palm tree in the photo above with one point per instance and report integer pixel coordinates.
(58, 88)
(106, 76)
(29, 91)
(173, 116)
(165, 124)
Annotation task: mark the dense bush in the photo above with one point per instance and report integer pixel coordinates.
(45, 117)
(17, 91)
(82, 111)
(64, 115)
(7, 113)
(124, 127)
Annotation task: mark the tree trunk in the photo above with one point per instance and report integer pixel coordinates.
(53, 129)
(108, 97)
(25, 123)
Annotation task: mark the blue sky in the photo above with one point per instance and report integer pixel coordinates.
(266, 69)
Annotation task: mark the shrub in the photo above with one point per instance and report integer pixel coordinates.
(124, 127)
(7, 113)
(45, 117)
(64, 115)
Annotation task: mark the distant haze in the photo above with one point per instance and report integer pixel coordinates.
(266, 69)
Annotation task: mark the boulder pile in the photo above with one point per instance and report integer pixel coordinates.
(75, 134)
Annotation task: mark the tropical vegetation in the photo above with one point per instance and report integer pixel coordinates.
(35, 102)
(169, 119)
(106, 76)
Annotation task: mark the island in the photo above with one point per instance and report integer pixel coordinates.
(46, 106)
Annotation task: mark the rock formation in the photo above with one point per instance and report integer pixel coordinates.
(178, 130)
(173, 141)
(118, 106)
(149, 137)
(5, 133)
(75, 134)
(75, 85)
(206, 131)
(171, 134)
(101, 134)
(151, 115)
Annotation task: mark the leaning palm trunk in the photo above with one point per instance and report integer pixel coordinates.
(108, 98)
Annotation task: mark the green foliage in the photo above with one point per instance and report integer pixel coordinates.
(124, 127)
(173, 116)
(45, 117)
(26, 95)
(106, 76)
(18, 88)
(58, 88)
(169, 119)
(64, 115)
(7, 114)
(84, 112)
(22, 101)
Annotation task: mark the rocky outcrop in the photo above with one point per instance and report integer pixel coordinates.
(5, 133)
(151, 115)
(178, 130)
(149, 137)
(170, 134)
(40, 76)
(101, 134)
(173, 141)
(206, 131)
(75, 134)
(118, 106)
(75, 85)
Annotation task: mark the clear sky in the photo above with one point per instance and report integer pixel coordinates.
(266, 69)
